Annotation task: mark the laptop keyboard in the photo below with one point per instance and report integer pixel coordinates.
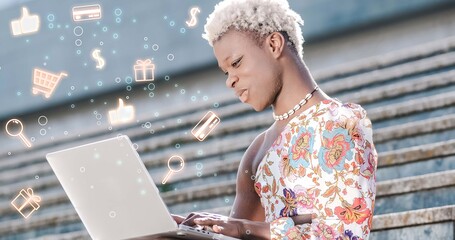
(198, 229)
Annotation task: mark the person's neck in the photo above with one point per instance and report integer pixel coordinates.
(297, 83)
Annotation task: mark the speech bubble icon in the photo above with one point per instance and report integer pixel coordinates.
(26, 24)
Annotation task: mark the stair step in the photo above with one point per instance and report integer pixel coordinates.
(381, 76)
(415, 128)
(385, 60)
(401, 88)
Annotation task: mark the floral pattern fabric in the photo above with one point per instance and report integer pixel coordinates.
(322, 164)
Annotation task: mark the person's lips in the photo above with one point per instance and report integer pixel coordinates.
(239, 92)
(243, 95)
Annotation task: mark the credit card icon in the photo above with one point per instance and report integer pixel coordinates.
(205, 125)
(86, 12)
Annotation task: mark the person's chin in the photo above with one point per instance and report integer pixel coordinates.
(258, 108)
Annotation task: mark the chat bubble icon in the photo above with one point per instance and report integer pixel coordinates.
(122, 114)
(26, 24)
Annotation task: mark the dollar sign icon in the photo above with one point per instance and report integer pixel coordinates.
(193, 20)
(100, 61)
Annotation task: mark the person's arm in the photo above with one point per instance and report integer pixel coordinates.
(247, 216)
(247, 204)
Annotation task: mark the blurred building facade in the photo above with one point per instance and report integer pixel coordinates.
(394, 58)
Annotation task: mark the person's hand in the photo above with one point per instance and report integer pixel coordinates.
(216, 223)
(234, 227)
(222, 225)
(177, 218)
(189, 220)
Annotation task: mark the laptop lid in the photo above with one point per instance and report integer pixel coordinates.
(111, 190)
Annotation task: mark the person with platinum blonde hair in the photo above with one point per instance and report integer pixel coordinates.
(311, 174)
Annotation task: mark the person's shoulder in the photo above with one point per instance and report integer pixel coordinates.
(257, 143)
(347, 109)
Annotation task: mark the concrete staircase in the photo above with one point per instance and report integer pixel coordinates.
(409, 96)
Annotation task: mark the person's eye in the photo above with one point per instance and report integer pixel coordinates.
(226, 73)
(236, 63)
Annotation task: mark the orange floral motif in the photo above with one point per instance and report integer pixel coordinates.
(267, 170)
(300, 148)
(293, 234)
(257, 187)
(285, 166)
(352, 125)
(357, 212)
(277, 141)
(370, 169)
(329, 125)
(336, 147)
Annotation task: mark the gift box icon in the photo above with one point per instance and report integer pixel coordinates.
(144, 70)
(26, 202)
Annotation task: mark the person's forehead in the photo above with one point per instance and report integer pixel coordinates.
(233, 41)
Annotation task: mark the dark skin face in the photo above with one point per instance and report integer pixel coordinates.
(265, 74)
(252, 71)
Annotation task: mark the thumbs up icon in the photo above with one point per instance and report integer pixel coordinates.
(122, 114)
(26, 24)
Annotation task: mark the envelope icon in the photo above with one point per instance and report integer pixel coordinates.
(122, 114)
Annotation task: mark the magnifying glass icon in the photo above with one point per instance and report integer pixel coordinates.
(15, 128)
(175, 164)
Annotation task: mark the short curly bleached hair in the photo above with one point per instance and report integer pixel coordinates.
(258, 16)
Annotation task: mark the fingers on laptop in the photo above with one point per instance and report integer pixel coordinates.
(220, 225)
(177, 218)
(190, 218)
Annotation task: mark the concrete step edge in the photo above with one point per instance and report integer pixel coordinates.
(419, 84)
(384, 60)
(416, 183)
(395, 72)
(425, 126)
(412, 106)
(414, 217)
(416, 153)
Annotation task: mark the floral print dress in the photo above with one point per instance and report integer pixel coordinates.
(322, 164)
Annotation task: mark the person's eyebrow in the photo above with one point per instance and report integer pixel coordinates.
(223, 62)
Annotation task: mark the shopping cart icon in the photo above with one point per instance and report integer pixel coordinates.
(45, 82)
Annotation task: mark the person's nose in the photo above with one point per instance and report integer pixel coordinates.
(231, 81)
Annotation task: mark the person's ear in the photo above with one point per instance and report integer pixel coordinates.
(275, 42)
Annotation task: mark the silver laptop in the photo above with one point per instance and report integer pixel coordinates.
(114, 194)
